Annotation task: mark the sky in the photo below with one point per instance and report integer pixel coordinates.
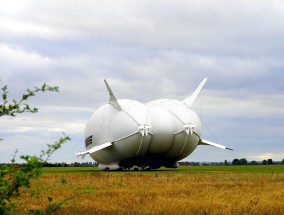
(146, 50)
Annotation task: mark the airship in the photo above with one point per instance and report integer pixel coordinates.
(126, 133)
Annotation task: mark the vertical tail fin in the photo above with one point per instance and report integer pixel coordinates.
(112, 100)
(190, 100)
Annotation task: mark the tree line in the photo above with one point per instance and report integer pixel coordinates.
(236, 161)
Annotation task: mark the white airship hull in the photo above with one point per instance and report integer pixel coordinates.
(124, 133)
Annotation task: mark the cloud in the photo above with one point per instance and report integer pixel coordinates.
(29, 133)
(147, 50)
(162, 24)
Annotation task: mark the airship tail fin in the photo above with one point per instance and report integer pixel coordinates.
(209, 143)
(112, 100)
(82, 155)
(190, 100)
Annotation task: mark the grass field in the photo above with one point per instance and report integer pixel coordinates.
(181, 169)
(186, 190)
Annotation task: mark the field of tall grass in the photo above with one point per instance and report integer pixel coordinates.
(186, 190)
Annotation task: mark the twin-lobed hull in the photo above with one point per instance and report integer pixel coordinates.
(124, 133)
(166, 142)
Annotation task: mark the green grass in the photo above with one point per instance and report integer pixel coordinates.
(73, 170)
(244, 169)
(181, 169)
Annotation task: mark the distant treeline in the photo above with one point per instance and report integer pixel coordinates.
(62, 164)
(75, 164)
(236, 161)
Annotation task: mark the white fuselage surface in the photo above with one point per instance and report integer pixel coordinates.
(124, 133)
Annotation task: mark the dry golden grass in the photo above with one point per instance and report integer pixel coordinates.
(160, 193)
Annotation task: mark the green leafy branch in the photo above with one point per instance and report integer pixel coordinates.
(14, 177)
(16, 107)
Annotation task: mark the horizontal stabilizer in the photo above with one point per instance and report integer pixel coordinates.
(190, 100)
(112, 100)
(209, 143)
(82, 155)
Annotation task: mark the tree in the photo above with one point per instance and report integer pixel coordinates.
(13, 178)
(243, 161)
(236, 162)
(282, 161)
(254, 163)
(269, 161)
(264, 162)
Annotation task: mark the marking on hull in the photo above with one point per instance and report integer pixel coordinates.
(140, 145)
(184, 144)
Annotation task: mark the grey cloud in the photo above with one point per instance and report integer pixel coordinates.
(148, 50)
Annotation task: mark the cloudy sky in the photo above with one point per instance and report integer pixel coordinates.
(146, 50)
